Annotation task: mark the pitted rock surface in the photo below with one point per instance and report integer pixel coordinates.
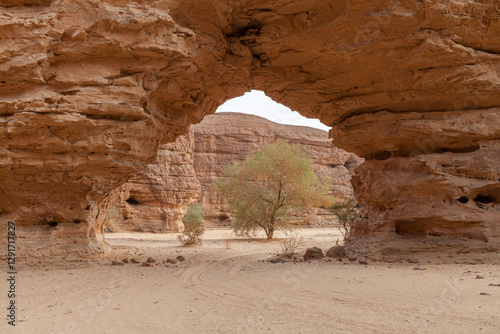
(158, 197)
(90, 89)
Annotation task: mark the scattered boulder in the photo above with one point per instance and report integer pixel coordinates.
(135, 261)
(336, 251)
(412, 260)
(362, 262)
(352, 258)
(485, 294)
(277, 260)
(313, 253)
(479, 277)
(151, 260)
(180, 258)
(419, 268)
(146, 264)
(125, 260)
(117, 263)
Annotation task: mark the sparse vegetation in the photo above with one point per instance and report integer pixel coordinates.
(228, 239)
(193, 226)
(113, 219)
(291, 243)
(271, 186)
(346, 213)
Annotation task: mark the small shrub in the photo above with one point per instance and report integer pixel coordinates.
(346, 213)
(193, 226)
(228, 239)
(113, 219)
(290, 244)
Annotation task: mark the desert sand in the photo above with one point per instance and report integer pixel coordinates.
(231, 287)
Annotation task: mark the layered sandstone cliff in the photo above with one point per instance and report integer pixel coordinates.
(89, 89)
(434, 175)
(157, 198)
(224, 138)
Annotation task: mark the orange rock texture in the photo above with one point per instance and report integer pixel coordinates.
(89, 89)
(157, 198)
(224, 138)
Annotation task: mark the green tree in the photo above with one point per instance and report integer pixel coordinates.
(271, 186)
(346, 213)
(113, 219)
(193, 226)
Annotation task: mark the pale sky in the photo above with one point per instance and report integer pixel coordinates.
(258, 103)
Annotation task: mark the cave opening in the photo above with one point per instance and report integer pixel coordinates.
(223, 217)
(410, 228)
(131, 200)
(484, 199)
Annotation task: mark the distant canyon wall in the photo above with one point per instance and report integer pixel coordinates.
(224, 138)
(157, 199)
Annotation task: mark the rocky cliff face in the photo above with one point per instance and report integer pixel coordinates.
(157, 198)
(89, 89)
(434, 175)
(224, 138)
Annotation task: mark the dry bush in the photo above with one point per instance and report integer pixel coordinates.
(346, 213)
(291, 243)
(228, 239)
(113, 219)
(193, 226)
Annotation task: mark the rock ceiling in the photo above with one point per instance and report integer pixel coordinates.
(89, 89)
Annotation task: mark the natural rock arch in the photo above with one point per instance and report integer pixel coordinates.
(90, 88)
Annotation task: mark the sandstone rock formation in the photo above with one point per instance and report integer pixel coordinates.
(434, 175)
(89, 89)
(157, 198)
(224, 138)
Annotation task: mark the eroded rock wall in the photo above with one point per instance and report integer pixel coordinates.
(157, 198)
(224, 138)
(89, 89)
(434, 176)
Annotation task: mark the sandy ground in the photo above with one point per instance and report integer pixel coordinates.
(232, 290)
